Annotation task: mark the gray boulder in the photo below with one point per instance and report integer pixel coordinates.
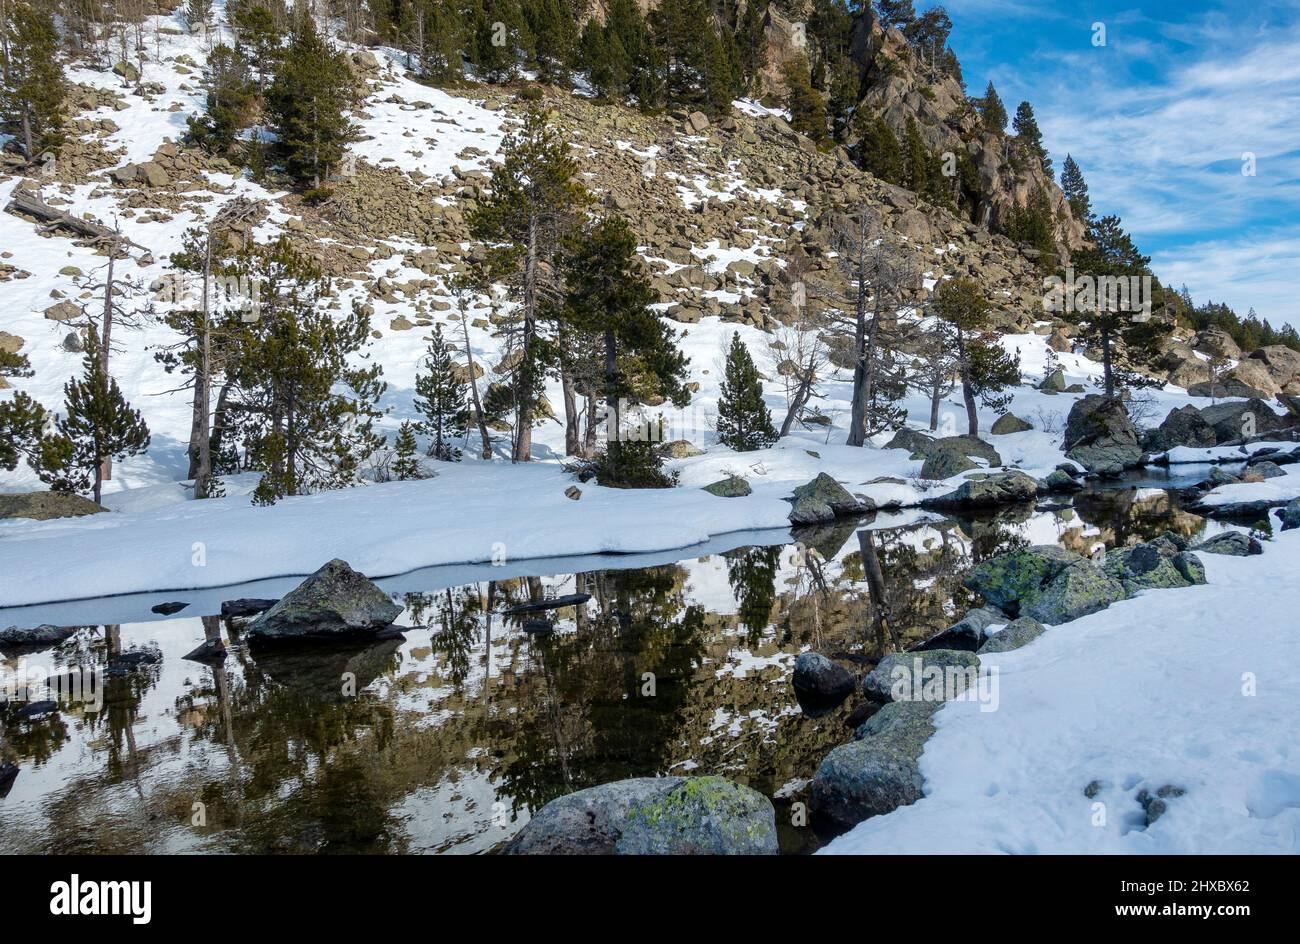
(1101, 437)
(1054, 382)
(908, 676)
(1017, 633)
(1231, 543)
(653, 816)
(1269, 470)
(1009, 423)
(945, 463)
(334, 601)
(824, 499)
(733, 486)
(1000, 488)
(1152, 566)
(880, 770)
(42, 506)
(1290, 515)
(914, 441)
(1240, 420)
(1078, 590)
(819, 681)
(1059, 481)
(972, 447)
(968, 633)
(1046, 582)
(1184, 426)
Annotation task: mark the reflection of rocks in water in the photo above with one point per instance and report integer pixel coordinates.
(820, 685)
(829, 539)
(320, 669)
(1128, 516)
(16, 640)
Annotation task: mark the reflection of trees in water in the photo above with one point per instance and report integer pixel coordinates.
(1125, 516)
(581, 717)
(751, 572)
(455, 631)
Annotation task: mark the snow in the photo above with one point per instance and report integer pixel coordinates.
(1206, 700)
(1280, 489)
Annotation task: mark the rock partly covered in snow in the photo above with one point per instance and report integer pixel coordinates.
(1017, 633)
(733, 486)
(968, 633)
(653, 816)
(34, 637)
(986, 491)
(1232, 543)
(43, 506)
(1009, 423)
(334, 601)
(1154, 565)
(1100, 436)
(824, 499)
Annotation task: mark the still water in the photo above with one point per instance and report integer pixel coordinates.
(446, 740)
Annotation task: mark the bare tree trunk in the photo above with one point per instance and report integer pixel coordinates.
(886, 634)
(105, 473)
(936, 395)
(967, 388)
(592, 434)
(523, 451)
(572, 446)
(473, 388)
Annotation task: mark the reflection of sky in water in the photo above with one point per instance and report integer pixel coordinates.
(450, 739)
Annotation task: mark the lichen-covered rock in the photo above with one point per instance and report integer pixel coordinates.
(972, 447)
(1078, 590)
(681, 449)
(1232, 543)
(999, 488)
(1009, 580)
(1058, 482)
(824, 499)
(914, 441)
(334, 601)
(733, 486)
(1009, 423)
(819, 682)
(653, 816)
(1101, 437)
(1152, 566)
(1019, 632)
(922, 675)
(880, 770)
(43, 506)
(945, 463)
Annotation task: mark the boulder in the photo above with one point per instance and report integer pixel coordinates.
(1054, 382)
(1152, 566)
(1237, 420)
(1019, 632)
(1290, 515)
(1252, 375)
(1047, 582)
(915, 442)
(1000, 488)
(63, 311)
(942, 463)
(245, 607)
(972, 447)
(1217, 341)
(334, 601)
(824, 499)
(1269, 470)
(1184, 426)
(968, 633)
(681, 449)
(880, 770)
(1231, 543)
(733, 486)
(43, 506)
(1059, 481)
(653, 816)
(929, 675)
(1100, 436)
(1009, 423)
(818, 681)
(1078, 590)
(1281, 362)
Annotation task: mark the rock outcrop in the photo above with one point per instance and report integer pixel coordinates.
(1100, 436)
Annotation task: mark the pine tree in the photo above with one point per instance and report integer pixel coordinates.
(1075, 190)
(22, 419)
(697, 69)
(98, 424)
(807, 109)
(303, 404)
(232, 95)
(533, 202)
(406, 465)
(879, 152)
(992, 111)
(198, 15)
(744, 421)
(440, 399)
(1032, 223)
(260, 36)
(984, 368)
(553, 29)
(1031, 139)
(608, 298)
(916, 159)
(33, 88)
(313, 87)
(895, 14)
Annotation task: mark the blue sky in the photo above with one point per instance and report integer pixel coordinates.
(1159, 119)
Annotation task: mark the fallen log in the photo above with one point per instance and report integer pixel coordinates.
(572, 599)
(28, 204)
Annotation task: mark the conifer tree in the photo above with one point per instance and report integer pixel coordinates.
(916, 158)
(697, 68)
(406, 465)
(532, 203)
(313, 88)
(440, 399)
(232, 94)
(1075, 190)
(807, 109)
(608, 297)
(744, 421)
(32, 86)
(895, 14)
(98, 424)
(22, 419)
(879, 152)
(992, 111)
(1031, 139)
(984, 368)
(302, 402)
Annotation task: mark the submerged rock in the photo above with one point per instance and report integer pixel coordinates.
(245, 607)
(334, 601)
(824, 499)
(1019, 632)
(818, 682)
(1101, 437)
(1232, 543)
(653, 816)
(879, 771)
